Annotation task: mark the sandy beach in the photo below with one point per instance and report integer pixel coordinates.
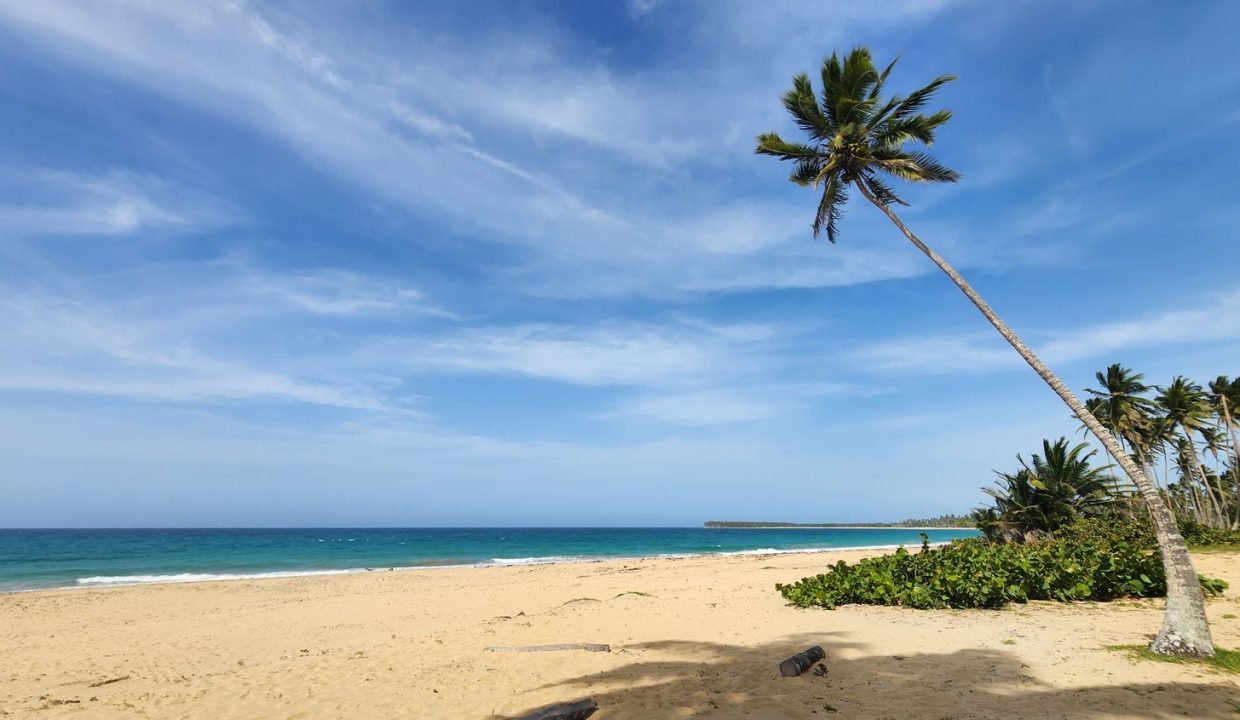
(692, 637)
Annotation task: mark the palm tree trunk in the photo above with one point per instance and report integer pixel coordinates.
(1231, 432)
(1235, 455)
(1185, 630)
(1194, 461)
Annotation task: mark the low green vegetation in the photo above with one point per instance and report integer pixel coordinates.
(1204, 536)
(1225, 660)
(1059, 528)
(976, 573)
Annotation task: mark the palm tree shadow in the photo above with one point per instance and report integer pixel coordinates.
(679, 679)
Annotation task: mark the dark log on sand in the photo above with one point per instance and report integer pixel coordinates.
(590, 647)
(579, 710)
(801, 662)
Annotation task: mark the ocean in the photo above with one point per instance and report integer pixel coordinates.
(35, 559)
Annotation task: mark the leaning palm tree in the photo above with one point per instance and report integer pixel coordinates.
(857, 140)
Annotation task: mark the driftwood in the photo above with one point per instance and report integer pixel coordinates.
(579, 710)
(801, 662)
(591, 647)
(109, 681)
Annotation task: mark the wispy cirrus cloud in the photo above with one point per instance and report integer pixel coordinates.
(729, 405)
(440, 130)
(60, 346)
(1215, 319)
(52, 203)
(184, 332)
(607, 354)
(325, 291)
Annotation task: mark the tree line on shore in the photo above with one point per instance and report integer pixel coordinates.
(1183, 434)
(942, 521)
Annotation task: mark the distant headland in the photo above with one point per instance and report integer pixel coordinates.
(936, 523)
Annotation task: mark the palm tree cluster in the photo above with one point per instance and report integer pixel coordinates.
(1049, 492)
(1183, 434)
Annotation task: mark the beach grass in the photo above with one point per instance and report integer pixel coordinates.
(1221, 548)
(1223, 660)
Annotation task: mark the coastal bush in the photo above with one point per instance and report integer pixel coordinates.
(1198, 534)
(1047, 493)
(975, 573)
(1137, 531)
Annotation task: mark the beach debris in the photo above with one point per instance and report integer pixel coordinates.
(802, 661)
(589, 647)
(579, 710)
(109, 681)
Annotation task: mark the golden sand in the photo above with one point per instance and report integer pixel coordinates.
(694, 637)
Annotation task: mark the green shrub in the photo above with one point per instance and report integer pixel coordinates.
(1107, 529)
(974, 573)
(1203, 535)
(1140, 531)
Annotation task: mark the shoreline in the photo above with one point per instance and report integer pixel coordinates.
(192, 578)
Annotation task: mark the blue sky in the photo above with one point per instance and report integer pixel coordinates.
(369, 263)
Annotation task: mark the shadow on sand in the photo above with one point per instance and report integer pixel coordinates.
(691, 679)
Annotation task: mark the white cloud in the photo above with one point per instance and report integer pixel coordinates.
(1214, 319)
(631, 354)
(726, 406)
(53, 344)
(429, 124)
(55, 203)
(392, 119)
(323, 291)
(709, 407)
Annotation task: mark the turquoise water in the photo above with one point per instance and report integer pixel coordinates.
(31, 559)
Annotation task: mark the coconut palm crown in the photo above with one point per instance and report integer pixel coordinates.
(858, 135)
(1120, 405)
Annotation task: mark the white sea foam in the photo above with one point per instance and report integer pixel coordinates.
(205, 577)
(114, 580)
(546, 560)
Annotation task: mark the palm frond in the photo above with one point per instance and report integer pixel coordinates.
(801, 104)
(808, 171)
(881, 190)
(879, 116)
(859, 74)
(918, 167)
(882, 78)
(853, 111)
(773, 144)
(917, 99)
(831, 206)
(919, 128)
(831, 84)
